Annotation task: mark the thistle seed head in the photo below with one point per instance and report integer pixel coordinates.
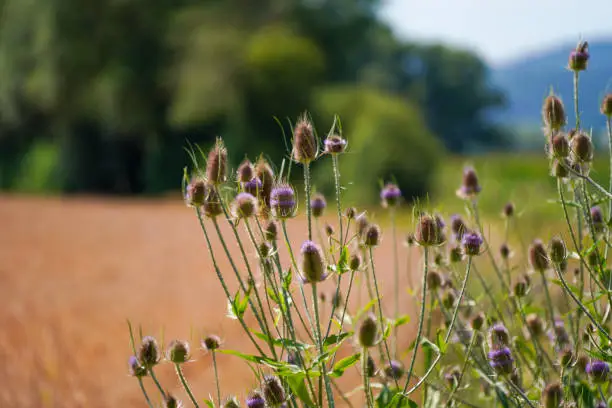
(178, 352)
(538, 257)
(216, 165)
(372, 235)
(244, 206)
(312, 263)
(282, 201)
(390, 195)
(211, 342)
(582, 148)
(558, 250)
(579, 57)
(304, 142)
(606, 105)
(148, 353)
(552, 395)
(469, 186)
(195, 193)
(368, 332)
(335, 144)
(212, 203)
(553, 112)
(273, 391)
(246, 171)
(317, 205)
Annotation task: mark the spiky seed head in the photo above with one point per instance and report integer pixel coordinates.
(361, 224)
(265, 174)
(434, 280)
(273, 391)
(390, 195)
(535, 324)
(350, 213)
(606, 105)
(317, 205)
(471, 243)
(282, 201)
(195, 192)
(449, 298)
(504, 251)
(553, 112)
(558, 250)
(478, 321)
(312, 263)
(245, 172)
(428, 232)
(579, 57)
(469, 186)
(171, 401)
(178, 352)
(135, 368)
(231, 402)
(304, 141)
(355, 262)
(372, 235)
(329, 230)
(211, 342)
(212, 204)
(560, 145)
(520, 288)
(559, 168)
(244, 206)
(508, 210)
(368, 332)
(271, 231)
(148, 353)
(394, 370)
(582, 148)
(255, 400)
(552, 395)
(335, 144)
(582, 361)
(253, 187)
(498, 336)
(598, 371)
(538, 257)
(455, 254)
(457, 226)
(501, 360)
(216, 165)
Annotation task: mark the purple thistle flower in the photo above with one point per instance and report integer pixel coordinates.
(255, 400)
(390, 195)
(469, 186)
(501, 360)
(598, 371)
(395, 370)
(282, 201)
(253, 187)
(579, 57)
(335, 144)
(317, 205)
(601, 404)
(471, 243)
(135, 368)
(597, 217)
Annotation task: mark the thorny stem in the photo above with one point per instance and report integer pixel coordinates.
(328, 390)
(214, 359)
(468, 353)
(609, 129)
(366, 378)
(549, 303)
(179, 372)
(144, 392)
(156, 381)
(395, 280)
(338, 191)
(487, 290)
(455, 312)
(308, 188)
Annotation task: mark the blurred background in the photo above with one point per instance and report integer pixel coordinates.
(99, 98)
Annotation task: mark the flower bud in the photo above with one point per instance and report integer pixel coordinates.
(351, 213)
(538, 258)
(148, 353)
(371, 367)
(501, 360)
(552, 395)
(231, 402)
(455, 254)
(535, 324)
(597, 218)
(246, 171)
(244, 206)
(471, 243)
(395, 370)
(273, 391)
(579, 57)
(478, 321)
(271, 231)
(195, 193)
(335, 144)
(504, 251)
(559, 169)
(428, 232)
(582, 148)
(520, 288)
(216, 165)
(457, 226)
(361, 224)
(598, 371)
(558, 251)
(304, 142)
(135, 368)
(372, 235)
(390, 195)
(560, 145)
(211, 343)
(368, 333)
(434, 280)
(469, 186)
(355, 262)
(212, 204)
(508, 210)
(317, 205)
(178, 352)
(329, 230)
(265, 174)
(553, 112)
(606, 105)
(449, 299)
(498, 336)
(282, 201)
(312, 263)
(171, 402)
(255, 400)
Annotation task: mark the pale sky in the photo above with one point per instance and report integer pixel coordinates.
(500, 30)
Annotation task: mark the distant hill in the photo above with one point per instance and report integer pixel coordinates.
(527, 82)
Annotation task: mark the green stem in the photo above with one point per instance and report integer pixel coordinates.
(214, 359)
(179, 372)
(338, 191)
(576, 109)
(366, 378)
(317, 328)
(144, 392)
(395, 281)
(307, 189)
(489, 293)
(456, 311)
(549, 304)
(156, 381)
(609, 129)
(468, 353)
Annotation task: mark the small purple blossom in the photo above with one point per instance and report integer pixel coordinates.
(335, 144)
(282, 201)
(135, 368)
(253, 187)
(255, 400)
(457, 226)
(598, 371)
(498, 336)
(395, 370)
(501, 360)
(471, 243)
(317, 205)
(469, 186)
(390, 195)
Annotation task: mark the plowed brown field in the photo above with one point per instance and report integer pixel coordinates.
(73, 270)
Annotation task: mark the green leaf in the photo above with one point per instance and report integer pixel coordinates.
(298, 386)
(287, 277)
(440, 341)
(336, 338)
(397, 400)
(282, 342)
(209, 403)
(253, 359)
(342, 265)
(343, 364)
(402, 320)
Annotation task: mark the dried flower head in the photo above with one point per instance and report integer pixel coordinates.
(178, 352)
(606, 105)
(558, 250)
(579, 57)
(312, 263)
(538, 257)
(368, 332)
(245, 172)
(317, 205)
(212, 203)
(471, 243)
(211, 342)
(335, 144)
(469, 186)
(598, 371)
(394, 370)
(501, 360)
(553, 112)
(273, 391)
(582, 148)
(195, 192)
(372, 235)
(304, 141)
(552, 395)
(255, 400)
(390, 195)
(135, 368)
(148, 353)
(282, 201)
(244, 206)
(216, 165)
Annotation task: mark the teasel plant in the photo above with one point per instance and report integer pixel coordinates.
(511, 325)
